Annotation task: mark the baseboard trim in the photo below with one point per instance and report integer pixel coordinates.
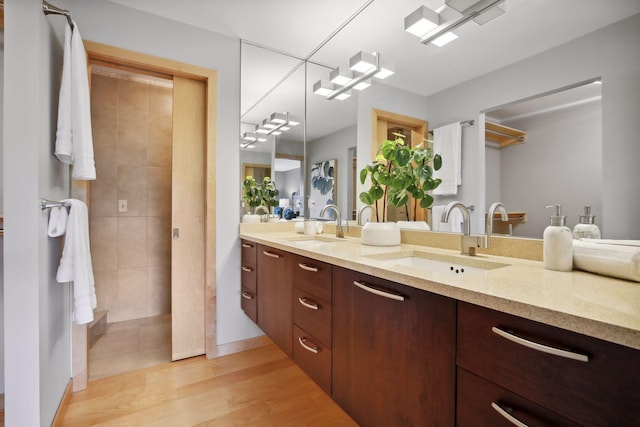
(244, 345)
(62, 408)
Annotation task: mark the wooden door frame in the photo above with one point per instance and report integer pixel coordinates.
(104, 53)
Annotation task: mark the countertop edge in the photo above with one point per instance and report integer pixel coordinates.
(581, 323)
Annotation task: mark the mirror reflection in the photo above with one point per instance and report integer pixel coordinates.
(553, 141)
(563, 158)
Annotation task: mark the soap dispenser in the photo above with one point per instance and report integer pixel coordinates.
(586, 227)
(557, 243)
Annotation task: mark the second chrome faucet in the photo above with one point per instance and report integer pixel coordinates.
(470, 242)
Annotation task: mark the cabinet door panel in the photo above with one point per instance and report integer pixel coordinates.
(275, 316)
(393, 361)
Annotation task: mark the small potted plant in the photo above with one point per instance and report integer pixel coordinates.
(400, 173)
(254, 195)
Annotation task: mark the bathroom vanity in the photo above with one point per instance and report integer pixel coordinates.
(490, 341)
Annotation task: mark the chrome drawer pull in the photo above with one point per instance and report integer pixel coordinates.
(302, 342)
(247, 269)
(513, 420)
(541, 347)
(246, 295)
(271, 254)
(309, 304)
(246, 245)
(378, 292)
(306, 267)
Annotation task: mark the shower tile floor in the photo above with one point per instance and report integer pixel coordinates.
(131, 345)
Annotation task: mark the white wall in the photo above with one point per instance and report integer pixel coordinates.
(610, 53)
(562, 157)
(1, 210)
(37, 309)
(336, 146)
(111, 24)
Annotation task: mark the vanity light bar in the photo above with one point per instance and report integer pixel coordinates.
(472, 12)
(364, 66)
(275, 125)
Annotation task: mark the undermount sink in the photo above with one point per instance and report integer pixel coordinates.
(310, 240)
(437, 263)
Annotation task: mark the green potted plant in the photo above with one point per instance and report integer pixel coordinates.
(400, 173)
(251, 193)
(264, 194)
(268, 193)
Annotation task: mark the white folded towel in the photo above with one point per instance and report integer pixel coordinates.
(75, 264)
(607, 259)
(621, 242)
(74, 141)
(447, 142)
(57, 221)
(414, 225)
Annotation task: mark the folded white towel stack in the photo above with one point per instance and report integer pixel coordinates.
(447, 142)
(75, 264)
(74, 142)
(613, 260)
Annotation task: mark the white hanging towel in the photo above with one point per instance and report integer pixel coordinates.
(447, 142)
(74, 141)
(57, 221)
(75, 264)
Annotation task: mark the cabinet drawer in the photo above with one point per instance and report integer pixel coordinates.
(602, 391)
(313, 276)
(249, 253)
(313, 315)
(479, 403)
(248, 277)
(249, 304)
(313, 358)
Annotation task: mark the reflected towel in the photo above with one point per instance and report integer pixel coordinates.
(74, 142)
(613, 242)
(57, 221)
(75, 264)
(447, 142)
(607, 259)
(455, 220)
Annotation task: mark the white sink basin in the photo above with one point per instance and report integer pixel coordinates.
(311, 241)
(437, 263)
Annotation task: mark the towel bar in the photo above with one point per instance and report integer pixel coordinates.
(48, 204)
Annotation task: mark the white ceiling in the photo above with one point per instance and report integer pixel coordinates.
(298, 27)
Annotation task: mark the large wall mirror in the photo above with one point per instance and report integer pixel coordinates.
(578, 135)
(272, 93)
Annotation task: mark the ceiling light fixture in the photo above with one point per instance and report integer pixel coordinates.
(363, 66)
(275, 124)
(481, 12)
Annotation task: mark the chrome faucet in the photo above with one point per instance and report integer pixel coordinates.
(339, 232)
(504, 216)
(364, 208)
(262, 208)
(468, 242)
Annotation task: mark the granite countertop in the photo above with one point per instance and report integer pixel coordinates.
(582, 302)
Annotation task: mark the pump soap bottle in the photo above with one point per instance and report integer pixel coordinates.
(586, 227)
(557, 243)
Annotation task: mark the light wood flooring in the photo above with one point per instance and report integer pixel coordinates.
(131, 345)
(259, 387)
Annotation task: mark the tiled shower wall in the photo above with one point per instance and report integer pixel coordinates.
(131, 251)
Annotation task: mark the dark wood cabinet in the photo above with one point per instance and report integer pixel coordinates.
(583, 379)
(275, 293)
(248, 280)
(393, 352)
(312, 319)
(482, 403)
